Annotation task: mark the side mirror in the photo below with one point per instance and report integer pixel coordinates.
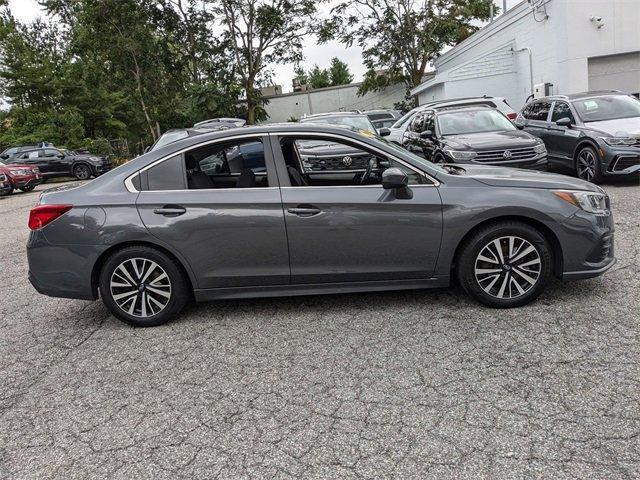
(4, 157)
(60, 155)
(384, 132)
(564, 122)
(394, 178)
(427, 134)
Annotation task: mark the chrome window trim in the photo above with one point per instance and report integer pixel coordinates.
(435, 183)
(131, 188)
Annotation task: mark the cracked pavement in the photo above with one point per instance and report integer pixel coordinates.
(417, 384)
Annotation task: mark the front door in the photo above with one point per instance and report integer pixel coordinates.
(219, 207)
(344, 227)
(560, 140)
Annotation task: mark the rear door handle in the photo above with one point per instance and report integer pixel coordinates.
(304, 210)
(170, 211)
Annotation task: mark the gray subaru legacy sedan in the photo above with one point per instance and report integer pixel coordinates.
(234, 214)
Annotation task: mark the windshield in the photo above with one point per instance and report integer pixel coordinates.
(170, 137)
(359, 122)
(473, 121)
(610, 107)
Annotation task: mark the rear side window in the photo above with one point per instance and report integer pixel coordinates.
(167, 175)
(537, 111)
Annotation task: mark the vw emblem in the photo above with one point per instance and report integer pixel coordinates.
(347, 161)
(507, 154)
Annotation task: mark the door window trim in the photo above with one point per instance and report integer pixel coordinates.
(281, 170)
(268, 160)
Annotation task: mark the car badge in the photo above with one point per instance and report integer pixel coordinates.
(347, 161)
(507, 154)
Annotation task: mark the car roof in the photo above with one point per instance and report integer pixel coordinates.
(334, 114)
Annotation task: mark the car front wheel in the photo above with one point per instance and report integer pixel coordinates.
(82, 172)
(143, 286)
(506, 264)
(588, 165)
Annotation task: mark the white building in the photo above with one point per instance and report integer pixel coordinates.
(281, 108)
(575, 45)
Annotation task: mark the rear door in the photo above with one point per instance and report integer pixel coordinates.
(537, 119)
(344, 228)
(218, 205)
(54, 164)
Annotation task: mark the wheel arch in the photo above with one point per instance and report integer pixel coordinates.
(585, 142)
(550, 236)
(104, 256)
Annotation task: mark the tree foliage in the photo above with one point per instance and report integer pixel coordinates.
(262, 33)
(399, 38)
(339, 73)
(319, 77)
(126, 69)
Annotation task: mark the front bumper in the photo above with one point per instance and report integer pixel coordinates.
(101, 168)
(620, 161)
(592, 252)
(26, 181)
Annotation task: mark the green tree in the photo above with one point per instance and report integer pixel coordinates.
(300, 75)
(339, 73)
(319, 77)
(399, 38)
(262, 33)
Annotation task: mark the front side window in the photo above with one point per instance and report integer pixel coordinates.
(49, 153)
(610, 107)
(562, 110)
(473, 121)
(327, 162)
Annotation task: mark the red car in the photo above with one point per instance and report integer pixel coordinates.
(23, 177)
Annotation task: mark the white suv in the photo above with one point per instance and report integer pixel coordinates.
(398, 129)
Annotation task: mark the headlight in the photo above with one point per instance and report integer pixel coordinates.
(619, 140)
(592, 202)
(461, 155)
(540, 148)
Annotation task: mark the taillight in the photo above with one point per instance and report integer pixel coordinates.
(512, 115)
(44, 214)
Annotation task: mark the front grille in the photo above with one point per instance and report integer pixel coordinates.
(337, 162)
(489, 156)
(623, 163)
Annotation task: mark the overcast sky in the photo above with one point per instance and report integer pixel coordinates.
(27, 10)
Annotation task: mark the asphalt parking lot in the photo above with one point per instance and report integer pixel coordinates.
(415, 384)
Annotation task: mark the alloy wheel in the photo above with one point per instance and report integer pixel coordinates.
(140, 287)
(586, 165)
(508, 267)
(82, 172)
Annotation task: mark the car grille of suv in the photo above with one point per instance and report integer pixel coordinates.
(338, 162)
(490, 156)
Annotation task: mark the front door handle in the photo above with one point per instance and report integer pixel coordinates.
(304, 210)
(170, 211)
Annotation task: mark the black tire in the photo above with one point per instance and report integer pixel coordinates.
(587, 165)
(178, 289)
(82, 172)
(470, 259)
(8, 192)
(27, 189)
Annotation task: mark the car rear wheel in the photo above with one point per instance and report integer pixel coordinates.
(27, 189)
(82, 172)
(588, 165)
(505, 264)
(143, 286)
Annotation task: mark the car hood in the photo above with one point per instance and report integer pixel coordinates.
(621, 127)
(16, 165)
(492, 140)
(313, 147)
(519, 178)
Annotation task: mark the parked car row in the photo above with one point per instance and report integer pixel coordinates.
(27, 166)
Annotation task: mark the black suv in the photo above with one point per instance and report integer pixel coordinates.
(53, 162)
(473, 135)
(595, 134)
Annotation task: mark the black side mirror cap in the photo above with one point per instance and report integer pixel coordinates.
(384, 132)
(393, 178)
(564, 122)
(427, 134)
